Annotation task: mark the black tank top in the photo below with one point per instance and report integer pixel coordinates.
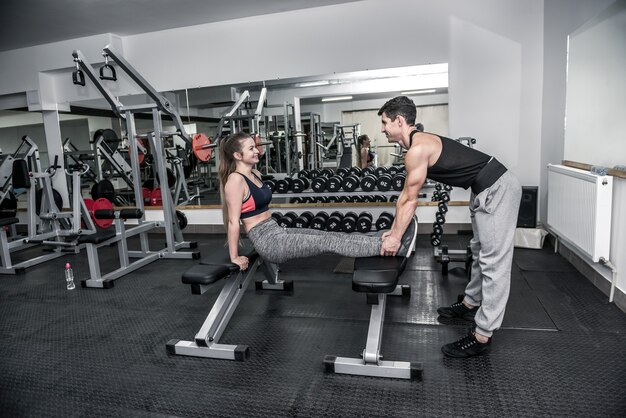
(457, 165)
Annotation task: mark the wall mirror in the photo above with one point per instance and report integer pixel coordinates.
(305, 123)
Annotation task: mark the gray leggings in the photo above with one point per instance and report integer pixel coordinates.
(277, 245)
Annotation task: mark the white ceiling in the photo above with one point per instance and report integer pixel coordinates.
(26, 23)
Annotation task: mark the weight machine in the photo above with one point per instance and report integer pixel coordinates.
(47, 225)
(314, 135)
(160, 105)
(345, 141)
(286, 137)
(238, 118)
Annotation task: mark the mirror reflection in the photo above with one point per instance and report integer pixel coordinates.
(306, 127)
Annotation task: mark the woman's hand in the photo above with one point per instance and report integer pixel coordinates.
(241, 261)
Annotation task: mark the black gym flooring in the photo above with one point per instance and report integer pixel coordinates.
(92, 352)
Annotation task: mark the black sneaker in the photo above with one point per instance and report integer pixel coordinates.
(407, 244)
(467, 346)
(458, 310)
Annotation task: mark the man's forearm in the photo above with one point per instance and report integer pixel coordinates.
(405, 209)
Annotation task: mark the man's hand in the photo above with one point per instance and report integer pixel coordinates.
(241, 261)
(390, 245)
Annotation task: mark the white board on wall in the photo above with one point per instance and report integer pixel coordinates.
(595, 114)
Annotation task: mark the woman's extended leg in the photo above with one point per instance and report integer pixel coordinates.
(277, 245)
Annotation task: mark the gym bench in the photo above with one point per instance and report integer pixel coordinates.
(377, 277)
(201, 277)
(120, 236)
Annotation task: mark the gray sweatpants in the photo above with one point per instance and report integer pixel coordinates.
(494, 217)
(277, 245)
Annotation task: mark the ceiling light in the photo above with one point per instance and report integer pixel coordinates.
(334, 99)
(313, 83)
(407, 93)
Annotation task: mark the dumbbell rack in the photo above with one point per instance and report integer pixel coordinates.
(442, 253)
(444, 256)
(311, 193)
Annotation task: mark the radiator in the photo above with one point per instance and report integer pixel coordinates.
(579, 209)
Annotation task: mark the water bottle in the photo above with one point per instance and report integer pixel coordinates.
(69, 277)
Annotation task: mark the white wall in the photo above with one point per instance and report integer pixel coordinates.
(562, 17)
(595, 107)
(595, 129)
(503, 35)
(498, 81)
(618, 239)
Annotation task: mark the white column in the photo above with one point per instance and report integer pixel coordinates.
(55, 148)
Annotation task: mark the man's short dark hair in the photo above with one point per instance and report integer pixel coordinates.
(400, 105)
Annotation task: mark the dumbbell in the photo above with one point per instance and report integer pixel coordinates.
(318, 184)
(384, 182)
(304, 220)
(334, 222)
(435, 239)
(379, 171)
(300, 184)
(343, 171)
(368, 170)
(368, 183)
(271, 184)
(277, 215)
(286, 221)
(437, 229)
(398, 182)
(319, 221)
(314, 173)
(447, 187)
(350, 183)
(435, 196)
(440, 218)
(444, 197)
(304, 174)
(348, 223)
(364, 222)
(356, 171)
(384, 221)
(438, 187)
(283, 185)
(443, 207)
(334, 183)
(393, 170)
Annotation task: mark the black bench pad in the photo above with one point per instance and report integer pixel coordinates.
(377, 274)
(8, 221)
(223, 258)
(212, 269)
(206, 274)
(97, 238)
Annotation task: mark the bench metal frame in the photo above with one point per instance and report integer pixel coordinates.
(145, 256)
(206, 342)
(371, 363)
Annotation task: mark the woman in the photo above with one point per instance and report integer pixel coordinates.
(246, 198)
(366, 157)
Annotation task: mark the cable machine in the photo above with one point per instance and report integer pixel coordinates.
(173, 232)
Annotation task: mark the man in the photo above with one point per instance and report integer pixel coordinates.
(494, 206)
